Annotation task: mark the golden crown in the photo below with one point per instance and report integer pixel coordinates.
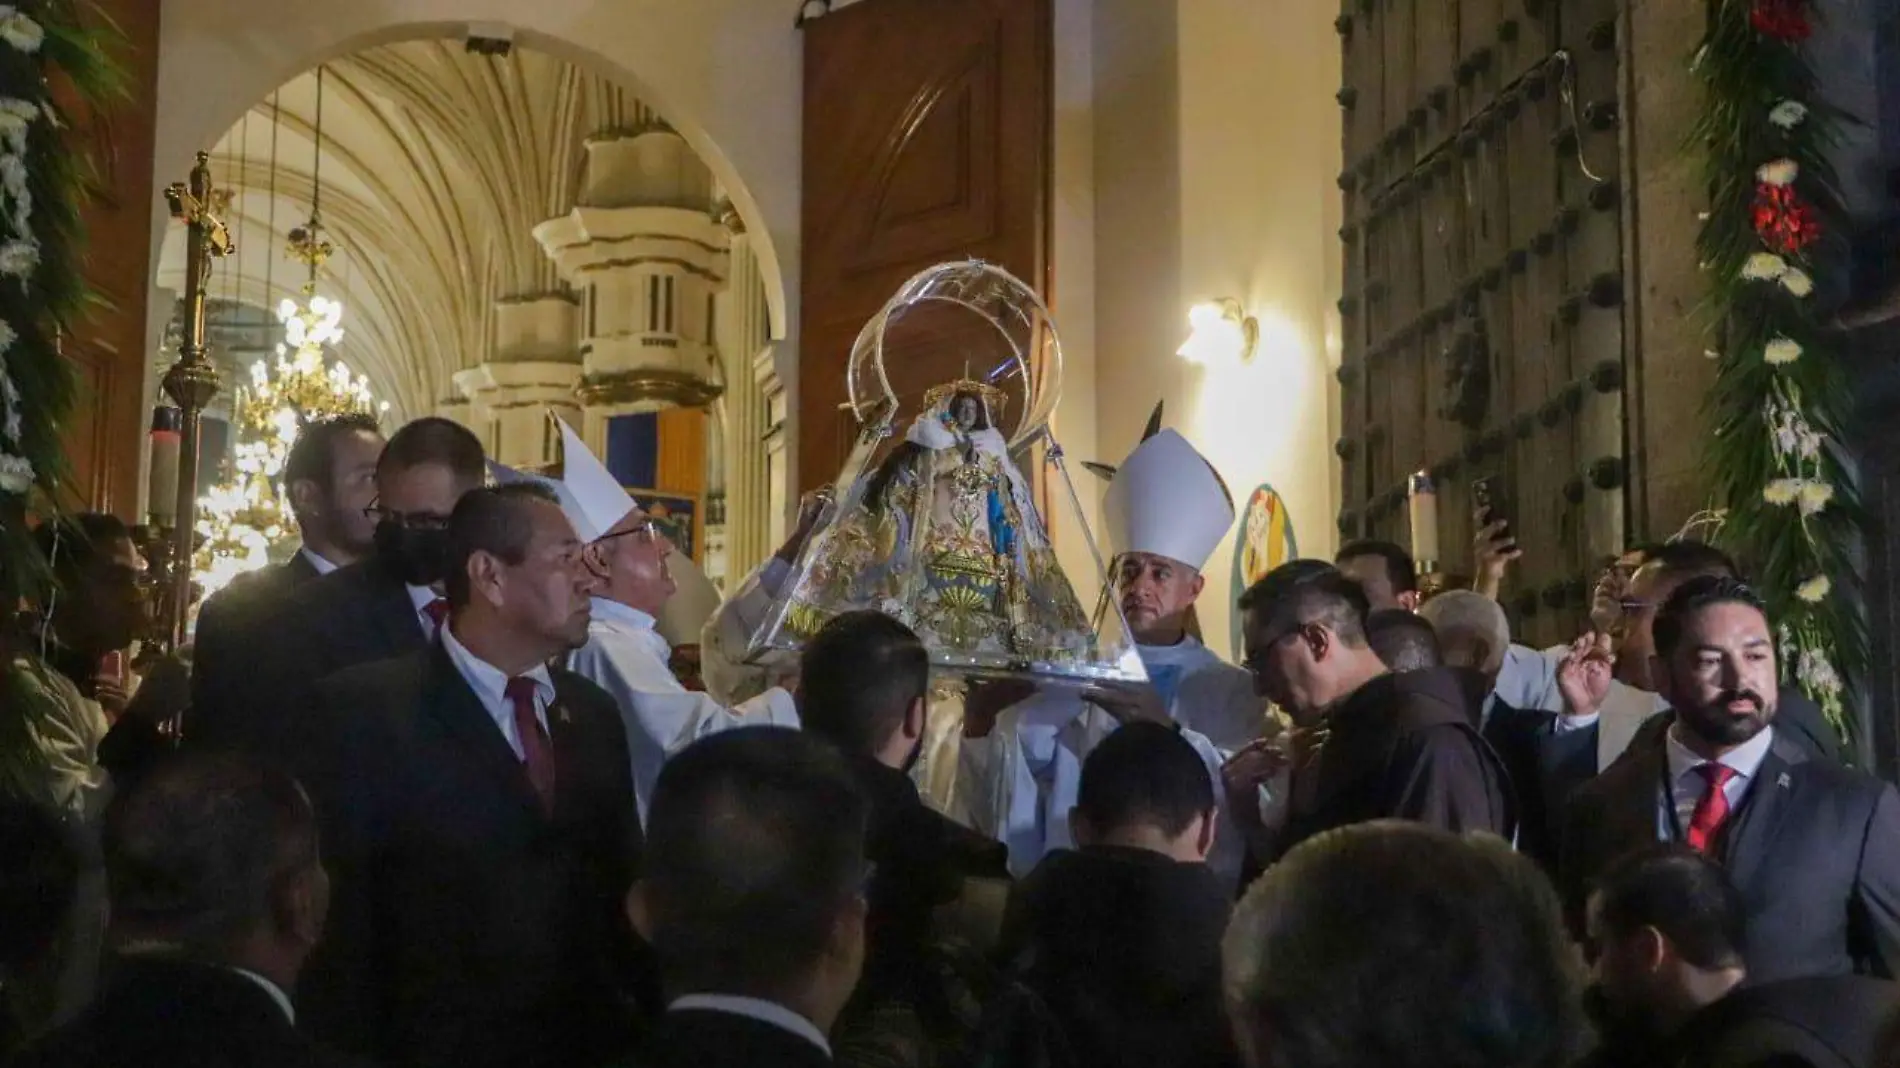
(992, 398)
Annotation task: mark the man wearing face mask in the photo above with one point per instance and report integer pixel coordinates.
(625, 655)
(380, 607)
(1813, 847)
(1166, 510)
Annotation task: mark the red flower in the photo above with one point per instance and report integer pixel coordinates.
(1785, 20)
(1784, 222)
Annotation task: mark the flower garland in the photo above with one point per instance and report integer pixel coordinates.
(1780, 397)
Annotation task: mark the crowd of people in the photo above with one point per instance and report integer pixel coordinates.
(433, 798)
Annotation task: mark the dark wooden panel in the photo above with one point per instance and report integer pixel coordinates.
(1480, 312)
(104, 433)
(926, 139)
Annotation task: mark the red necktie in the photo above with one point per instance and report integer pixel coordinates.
(537, 757)
(1712, 811)
(438, 612)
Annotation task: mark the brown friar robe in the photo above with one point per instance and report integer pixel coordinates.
(1403, 747)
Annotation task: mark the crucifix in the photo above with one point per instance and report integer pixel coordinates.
(192, 381)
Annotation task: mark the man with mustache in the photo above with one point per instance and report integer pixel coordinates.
(1165, 512)
(479, 821)
(1813, 847)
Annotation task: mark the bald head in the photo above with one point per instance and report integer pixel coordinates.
(1472, 630)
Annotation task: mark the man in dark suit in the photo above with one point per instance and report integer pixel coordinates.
(480, 817)
(218, 895)
(330, 475)
(753, 899)
(1397, 744)
(1813, 847)
(1666, 933)
(864, 680)
(384, 606)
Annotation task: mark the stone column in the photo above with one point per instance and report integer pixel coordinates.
(744, 331)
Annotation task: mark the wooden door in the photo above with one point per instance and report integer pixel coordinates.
(1482, 328)
(106, 428)
(926, 139)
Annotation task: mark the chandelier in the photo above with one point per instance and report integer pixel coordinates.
(247, 520)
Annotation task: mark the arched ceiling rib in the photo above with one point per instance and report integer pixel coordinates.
(436, 167)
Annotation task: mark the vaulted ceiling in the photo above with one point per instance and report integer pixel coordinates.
(435, 166)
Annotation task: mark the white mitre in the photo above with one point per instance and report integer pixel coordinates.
(593, 500)
(1167, 500)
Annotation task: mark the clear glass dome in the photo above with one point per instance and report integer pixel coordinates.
(934, 521)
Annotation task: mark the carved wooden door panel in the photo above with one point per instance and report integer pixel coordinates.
(1483, 331)
(105, 431)
(926, 140)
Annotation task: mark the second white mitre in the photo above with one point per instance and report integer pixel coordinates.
(626, 654)
(1020, 782)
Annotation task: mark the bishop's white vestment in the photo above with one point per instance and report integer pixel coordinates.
(1020, 781)
(629, 659)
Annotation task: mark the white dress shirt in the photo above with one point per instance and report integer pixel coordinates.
(626, 657)
(1687, 786)
(1019, 782)
(422, 597)
(322, 565)
(756, 1009)
(491, 688)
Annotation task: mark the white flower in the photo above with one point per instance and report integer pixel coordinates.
(1788, 114)
(1711, 354)
(1778, 173)
(1782, 491)
(1781, 351)
(20, 31)
(1809, 442)
(1814, 672)
(16, 475)
(1815, 496)
(1761, 267)
(1796, 281)
(1814, 590)
(7, 336)
(18, 259)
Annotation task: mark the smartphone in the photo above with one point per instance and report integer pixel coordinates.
(1487, 496)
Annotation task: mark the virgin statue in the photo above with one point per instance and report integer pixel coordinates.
(943, 536)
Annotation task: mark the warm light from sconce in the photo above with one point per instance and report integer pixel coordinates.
(1222, 332)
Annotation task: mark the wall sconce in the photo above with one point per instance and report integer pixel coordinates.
(1221, 332)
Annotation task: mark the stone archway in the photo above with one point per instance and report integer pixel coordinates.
(724, 73)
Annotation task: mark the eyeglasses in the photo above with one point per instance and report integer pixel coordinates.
(647, 532)
(411, 520)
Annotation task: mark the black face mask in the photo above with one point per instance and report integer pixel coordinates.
(419, 555)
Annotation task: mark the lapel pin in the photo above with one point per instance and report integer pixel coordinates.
(1782, 780)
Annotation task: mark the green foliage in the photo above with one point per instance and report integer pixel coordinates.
(47, 301)
(1745, 76)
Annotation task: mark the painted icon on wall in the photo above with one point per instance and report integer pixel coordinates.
(1266, 541)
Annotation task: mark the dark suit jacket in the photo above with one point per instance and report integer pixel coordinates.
(1814, 849)
(705, 1038)
(173, 1014)
(467, 927)
(225, 649)
(1837, 1022)
(354, 615)
(1546, 768)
